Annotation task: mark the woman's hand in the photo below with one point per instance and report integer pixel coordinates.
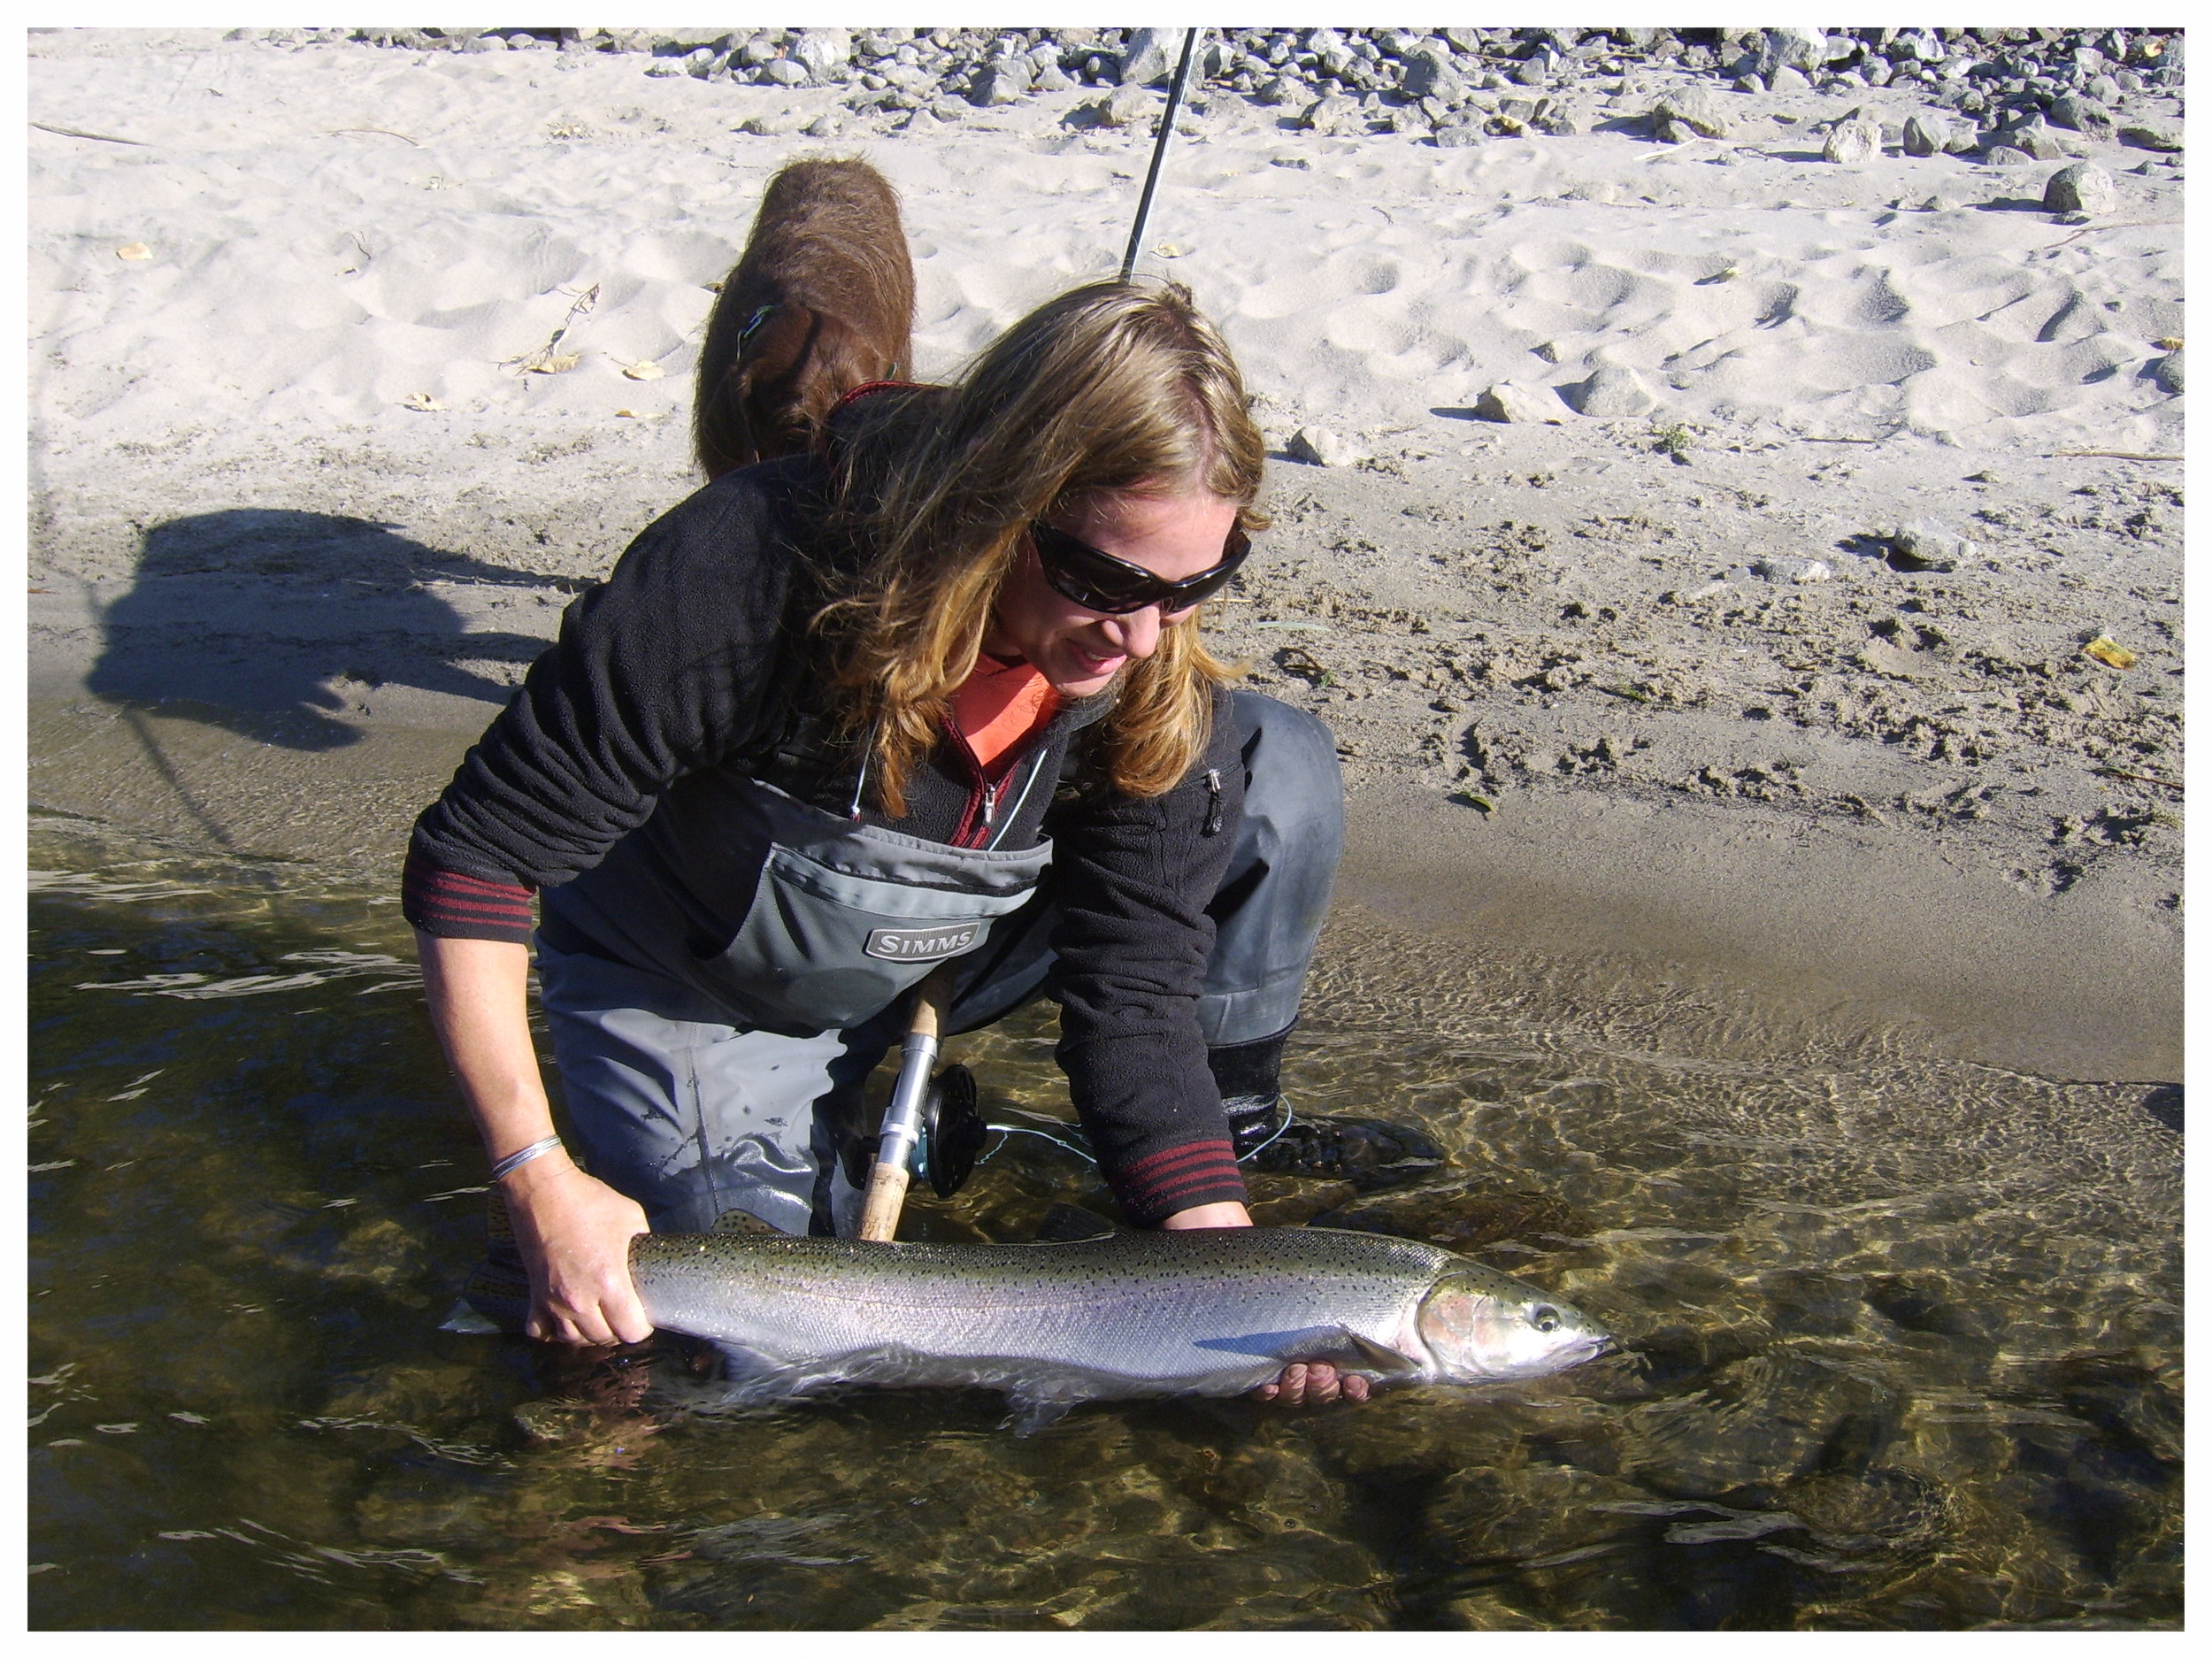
(574, 1235)
(573, 1232)
(1313, 1382)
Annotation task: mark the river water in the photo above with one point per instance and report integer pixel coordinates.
(1904, 1338)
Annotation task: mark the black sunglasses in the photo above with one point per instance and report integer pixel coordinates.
(1099, 581)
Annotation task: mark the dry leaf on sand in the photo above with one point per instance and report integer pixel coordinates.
(134, 251)
(2109, 650)
(422, 401)
(644, 372)
(552, 364)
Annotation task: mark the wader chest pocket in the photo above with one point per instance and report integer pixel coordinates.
(833, 938)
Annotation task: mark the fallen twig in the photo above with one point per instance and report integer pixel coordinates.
(105, 138)
(2140, 777)
(543, 361)
(2118, 223)
(1841, 440)
(2109, 455)
(337, 131)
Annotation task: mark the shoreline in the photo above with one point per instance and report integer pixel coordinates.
(1770, 675)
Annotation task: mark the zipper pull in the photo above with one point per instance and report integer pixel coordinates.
(1213, 795)
(990, 803)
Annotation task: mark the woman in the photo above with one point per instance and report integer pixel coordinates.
(937, 691)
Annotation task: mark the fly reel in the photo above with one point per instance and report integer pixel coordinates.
(953, 1131)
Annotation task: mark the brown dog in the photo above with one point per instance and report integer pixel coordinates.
(821, 301)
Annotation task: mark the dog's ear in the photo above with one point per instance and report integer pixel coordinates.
(742, 414)
(772, 351)
(775, 382)
(843, 358)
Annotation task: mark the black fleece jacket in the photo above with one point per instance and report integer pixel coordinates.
(693, 662)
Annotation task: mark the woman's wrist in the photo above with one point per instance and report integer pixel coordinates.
(1220, 1215)
(548, 1169)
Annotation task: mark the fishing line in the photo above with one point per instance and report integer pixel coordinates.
(1042, 1134)
(1289, 1118)
(1159, 150)
(1067, 1144)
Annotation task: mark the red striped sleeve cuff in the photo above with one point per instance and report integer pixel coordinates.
(451, 905)
(1154, 1187)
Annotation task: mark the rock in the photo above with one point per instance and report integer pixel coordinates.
(1149, 58)
(1535, 72)
(2166, 373)
(1926, 134)
(1002, 82)
(1794, 570)
(1798, 49)
(1277, 90)
(1562, 123)
(1330, 56)
(1334, 114)
(2103, 88)
(1512, 401)
(1926, 544)
(785, 72)
(1853, 142)
(2084, 115)
(2004, 155)
(1430, 74)
(826, 125)
(819, 52)
(1691, 107)
(773, 124)
(1125, 106)
(1463, 135)
(759, 51)
(1317, 446)
(1788, 80)
(2083, 187)
(2164, 135)
(1051, 77)
(1612, 392)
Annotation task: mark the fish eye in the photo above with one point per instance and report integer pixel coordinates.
(1544, 1317)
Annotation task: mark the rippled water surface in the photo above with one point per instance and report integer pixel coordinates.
(1906, 1341)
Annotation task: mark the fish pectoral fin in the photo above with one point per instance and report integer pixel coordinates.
(1070, 1224)
(1032, 1415)
(745, 1221)
(1349, 1350)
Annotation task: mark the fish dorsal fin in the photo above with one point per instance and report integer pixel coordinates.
(1070, 1224)
(1349, 1350)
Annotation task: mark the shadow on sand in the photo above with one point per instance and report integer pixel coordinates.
(244, 618)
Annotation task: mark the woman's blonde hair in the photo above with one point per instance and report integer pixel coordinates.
(1113, 388)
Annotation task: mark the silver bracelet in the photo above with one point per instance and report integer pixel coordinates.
(514, 1161)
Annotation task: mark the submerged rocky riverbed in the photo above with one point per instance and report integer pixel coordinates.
(1903, 1340)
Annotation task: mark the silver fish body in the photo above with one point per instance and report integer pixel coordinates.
(1211, 1312)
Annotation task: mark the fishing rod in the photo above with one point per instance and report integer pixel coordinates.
(950, 1119)
(1159, 150)
(903, 1118)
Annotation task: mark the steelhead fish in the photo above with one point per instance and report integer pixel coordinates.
(1212, 1312)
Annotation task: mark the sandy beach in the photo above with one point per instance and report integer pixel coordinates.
(1751, 652)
